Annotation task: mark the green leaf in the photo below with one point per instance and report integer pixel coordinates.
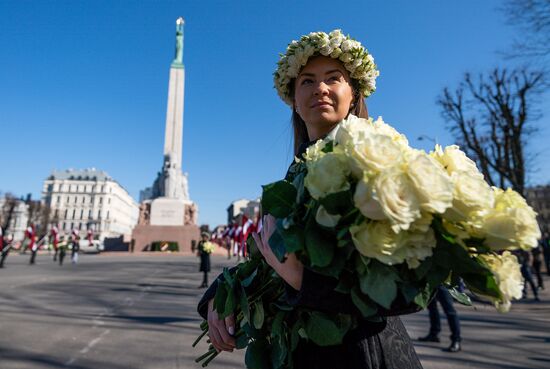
(248, 280)
(221, 297)
(298, 182)
(293, 237)
(320, 244)
(278, 198)
(258, 318)
(227, 276)
(279, 351)
(277, 244)
(365, 306)
(277, 325)
(338, 203)
(409, 292)
(423, 297)
(243, 302)
(241, 342)
(253, 251)
(230, 303)
(257, 355)
(461, 297)
(379, 283)
(324, 331)
(482, 284)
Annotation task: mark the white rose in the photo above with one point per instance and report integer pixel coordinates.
(324, 218)
(507, 272)
(511, 224)
(315, 151)
(327, 175)
(345, 57)
(433, 185)
(353, 129)
(364, 201)
(455, 160)
(377, 240)
(396, 194)
(382, 127)
(346, 45)
(471, 194)
(374, 152)
(417, 246)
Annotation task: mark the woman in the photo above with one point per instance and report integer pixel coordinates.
(325, 88)
(205, 259)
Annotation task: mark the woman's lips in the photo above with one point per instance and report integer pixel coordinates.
(321, 104)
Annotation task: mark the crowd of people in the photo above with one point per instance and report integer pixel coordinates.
(55, 240)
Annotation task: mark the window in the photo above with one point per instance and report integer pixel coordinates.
(109, 200)
(90, 213)
(58, 199)
(75, 199)
(99, 214)
(101, 200)
(74, 213)
(66, 213)
(107, 214)
(67, 199)
(64, 225)
(72, 225)
(82, 214)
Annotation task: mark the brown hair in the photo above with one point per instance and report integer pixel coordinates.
(359, 109)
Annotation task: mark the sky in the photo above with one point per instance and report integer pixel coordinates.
(84, 84)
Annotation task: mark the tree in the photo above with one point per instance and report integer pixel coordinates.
(532, 18)
(7, 211)
(491, 117)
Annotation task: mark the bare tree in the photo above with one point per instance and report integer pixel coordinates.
(7, 211)
(491, 117)
(39, 215)
(532, 18)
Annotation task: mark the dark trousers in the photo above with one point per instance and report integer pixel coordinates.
(446, 301)
(56, 251)
(4, 256)
(61, 256)
(33, 257)
(205, 279)
(546, 253)
(536, 268)
(528, 277)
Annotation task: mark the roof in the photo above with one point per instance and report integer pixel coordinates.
(89, 174)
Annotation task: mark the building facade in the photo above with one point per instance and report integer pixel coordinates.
(19, 217)
(539, 199)
(90, 199)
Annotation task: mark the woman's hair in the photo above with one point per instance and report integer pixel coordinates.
(359, 109)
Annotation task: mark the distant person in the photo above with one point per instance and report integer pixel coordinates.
(545, 245)
(536, 254)
(6, 244)
(62, 246)
(204, 255)
(30, 235)
(524, 259)
(443, 296)
(75, 247)
(54, 240)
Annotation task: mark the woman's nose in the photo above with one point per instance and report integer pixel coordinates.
(321, 89)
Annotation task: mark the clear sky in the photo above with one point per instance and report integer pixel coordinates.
(84, 84)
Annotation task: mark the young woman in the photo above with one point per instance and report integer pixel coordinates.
(323, 90)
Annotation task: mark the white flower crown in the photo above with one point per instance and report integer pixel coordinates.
(355, 58)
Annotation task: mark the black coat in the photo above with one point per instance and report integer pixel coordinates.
(205, 258)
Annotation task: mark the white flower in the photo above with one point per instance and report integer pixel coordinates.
(382, 127)
(374, 152)
(377, 240)
(395, 193)
(455, 160)
(365, 202)
(328, 174)
(433, 185)
(511, 223)
(506, 270)
(315, 151)
(471, 194)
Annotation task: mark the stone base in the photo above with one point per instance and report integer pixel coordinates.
(144, 235)
(167, 212)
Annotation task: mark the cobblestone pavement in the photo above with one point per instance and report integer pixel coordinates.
(115, 311)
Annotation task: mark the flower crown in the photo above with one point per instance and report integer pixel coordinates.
(356, 59)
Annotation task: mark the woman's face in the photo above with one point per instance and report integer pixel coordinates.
(322, 95)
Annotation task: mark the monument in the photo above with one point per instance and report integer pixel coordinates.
(167, 214)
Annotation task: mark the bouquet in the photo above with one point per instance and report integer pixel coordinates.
(208, 247)
(390, 223)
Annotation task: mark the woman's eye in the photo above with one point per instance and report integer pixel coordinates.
(306, 81)
(334, 78)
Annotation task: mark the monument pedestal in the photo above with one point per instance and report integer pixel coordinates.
(145, 234)
(167, 212)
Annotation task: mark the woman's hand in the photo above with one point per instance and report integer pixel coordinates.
(291, 270)
(220, 331)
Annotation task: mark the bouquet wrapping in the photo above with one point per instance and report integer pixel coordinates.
(389, 223)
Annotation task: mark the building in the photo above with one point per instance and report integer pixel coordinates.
(250, 208)
(90, 199)
(19, 217)
(539, 199)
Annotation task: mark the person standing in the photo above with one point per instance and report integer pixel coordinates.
(62, 248)
(54, 240)
(30, 234)
(204, 255)
(536, 253)
(545, 246)
(75, 246)
(524, 259)
(6, 243)
(443, 296)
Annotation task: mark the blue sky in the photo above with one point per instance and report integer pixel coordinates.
(84, 84)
